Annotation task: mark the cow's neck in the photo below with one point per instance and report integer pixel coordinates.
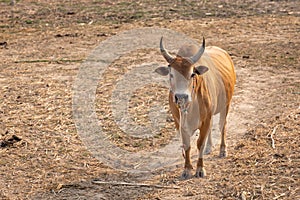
(189, 117)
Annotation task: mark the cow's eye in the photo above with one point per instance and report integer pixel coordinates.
(193, 75)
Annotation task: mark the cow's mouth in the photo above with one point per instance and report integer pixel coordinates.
(183, 106)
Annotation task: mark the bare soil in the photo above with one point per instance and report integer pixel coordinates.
(42, 45)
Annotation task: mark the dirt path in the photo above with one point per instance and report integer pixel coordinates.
(255, 86)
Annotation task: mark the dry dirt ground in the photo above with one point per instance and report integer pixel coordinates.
(42, 45)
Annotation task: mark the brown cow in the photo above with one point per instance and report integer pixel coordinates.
(201, 85)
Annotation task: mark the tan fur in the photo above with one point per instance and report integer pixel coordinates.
(182, 65)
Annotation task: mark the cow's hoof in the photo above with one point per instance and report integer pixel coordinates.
(223, 153)
(200, 173)
(186, 174)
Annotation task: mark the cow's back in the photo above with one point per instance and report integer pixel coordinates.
(220, 79)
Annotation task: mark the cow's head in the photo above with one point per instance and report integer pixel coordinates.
(182, 72)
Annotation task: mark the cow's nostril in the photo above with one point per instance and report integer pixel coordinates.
(181, 98)
(176, 98)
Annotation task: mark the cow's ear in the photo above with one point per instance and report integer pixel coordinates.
(164, 71)
(200, 70)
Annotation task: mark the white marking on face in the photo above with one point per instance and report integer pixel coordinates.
(180, 84)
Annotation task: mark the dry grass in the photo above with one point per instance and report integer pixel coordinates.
(42, 44)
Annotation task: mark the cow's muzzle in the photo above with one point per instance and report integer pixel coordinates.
(181, 99)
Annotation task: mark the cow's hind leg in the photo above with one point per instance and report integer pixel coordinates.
(208, 147)
(222, 125)
(204, 131)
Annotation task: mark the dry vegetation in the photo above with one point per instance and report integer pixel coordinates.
(42, 44)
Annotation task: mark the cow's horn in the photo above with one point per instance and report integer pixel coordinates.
(198, 55)
(164, 52)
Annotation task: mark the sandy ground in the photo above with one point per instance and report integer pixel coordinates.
(43, 45)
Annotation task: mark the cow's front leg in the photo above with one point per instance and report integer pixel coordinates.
(204, 131)
(187, 172)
